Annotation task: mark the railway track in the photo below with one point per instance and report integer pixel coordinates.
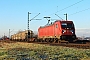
(83, 46)
(73, 45)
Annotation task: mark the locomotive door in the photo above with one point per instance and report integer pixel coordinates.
(56, 30)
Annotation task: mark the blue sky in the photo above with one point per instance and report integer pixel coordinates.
(14, 14)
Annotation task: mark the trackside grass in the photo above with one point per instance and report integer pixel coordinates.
(30, 51)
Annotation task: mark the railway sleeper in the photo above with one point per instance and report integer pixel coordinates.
(79, 46)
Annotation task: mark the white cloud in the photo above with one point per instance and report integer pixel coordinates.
(83, 32)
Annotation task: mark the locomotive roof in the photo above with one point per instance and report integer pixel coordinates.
(62, 21)
(55, 22)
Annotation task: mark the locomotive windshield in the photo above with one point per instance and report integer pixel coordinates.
(67, 25)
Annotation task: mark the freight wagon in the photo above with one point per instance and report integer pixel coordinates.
(21, 36)
(57, 31)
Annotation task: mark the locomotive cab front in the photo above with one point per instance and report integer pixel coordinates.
(68, 30)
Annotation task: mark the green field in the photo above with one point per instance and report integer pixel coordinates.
(30, 51)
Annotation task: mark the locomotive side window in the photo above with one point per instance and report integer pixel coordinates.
(56, 25)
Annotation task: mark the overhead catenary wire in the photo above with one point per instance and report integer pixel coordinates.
(79, 11)
(58, 16)
(67, 7)
(34, 17)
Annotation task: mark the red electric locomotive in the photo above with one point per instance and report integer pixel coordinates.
(59, 30)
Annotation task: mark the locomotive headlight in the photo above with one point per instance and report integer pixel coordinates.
(63, 31)
(72, 31)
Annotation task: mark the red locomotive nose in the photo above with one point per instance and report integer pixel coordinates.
(67, 32)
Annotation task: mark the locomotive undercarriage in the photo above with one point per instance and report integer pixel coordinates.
(50, 40)
(69, 38)
(57, 39)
